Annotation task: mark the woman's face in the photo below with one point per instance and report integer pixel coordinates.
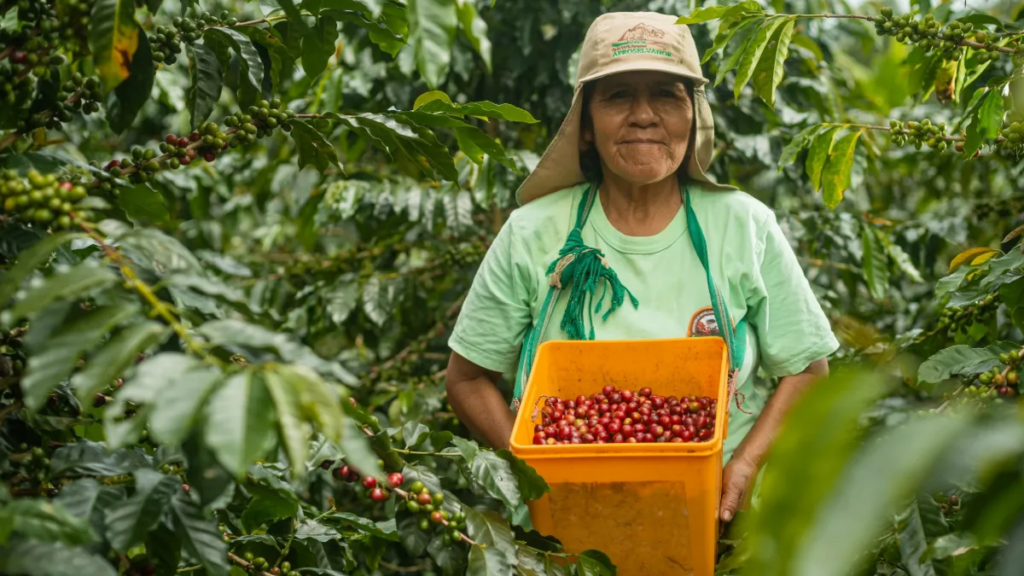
(640, 125)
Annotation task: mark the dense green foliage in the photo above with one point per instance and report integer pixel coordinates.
(197, 338)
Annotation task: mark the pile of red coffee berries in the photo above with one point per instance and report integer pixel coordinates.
(623, 416)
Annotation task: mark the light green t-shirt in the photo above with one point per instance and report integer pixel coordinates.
(752, 263)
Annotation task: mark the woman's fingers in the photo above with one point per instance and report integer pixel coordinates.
(731, 498)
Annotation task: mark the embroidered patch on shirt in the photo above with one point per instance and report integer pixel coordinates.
(703, 323)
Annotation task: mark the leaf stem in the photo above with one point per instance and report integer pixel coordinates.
(147, 293)
(441, 454)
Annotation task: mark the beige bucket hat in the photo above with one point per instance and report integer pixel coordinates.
(625, 42)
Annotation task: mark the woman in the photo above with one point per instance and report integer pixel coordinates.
(623, 191)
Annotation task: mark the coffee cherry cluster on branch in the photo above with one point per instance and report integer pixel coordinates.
(41, 199)
(919, 134)
(926, 32)
(258, 121)
(259, 564)
(956, 318)
(376, 490)
(614, 416)
(421, 502)
(1011, 139)
(167, 40)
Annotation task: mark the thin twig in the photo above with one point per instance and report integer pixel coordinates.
(390, 566)
(14, 407)
(245, 564)
(146, 292)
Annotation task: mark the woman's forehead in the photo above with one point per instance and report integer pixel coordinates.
(644, 77)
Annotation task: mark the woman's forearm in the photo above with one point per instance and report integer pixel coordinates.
(755, 445)
(478, 402)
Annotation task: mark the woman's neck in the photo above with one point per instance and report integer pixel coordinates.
(640, 210)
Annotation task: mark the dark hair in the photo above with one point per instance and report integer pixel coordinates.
(590, 159)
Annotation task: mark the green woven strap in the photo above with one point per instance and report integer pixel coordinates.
(579, 269)
(735, 336)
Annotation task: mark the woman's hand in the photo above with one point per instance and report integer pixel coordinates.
(741, 472)
(737, 483)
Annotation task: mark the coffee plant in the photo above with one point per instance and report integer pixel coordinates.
(234, 237)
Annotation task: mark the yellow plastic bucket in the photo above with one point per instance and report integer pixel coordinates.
(653, 508)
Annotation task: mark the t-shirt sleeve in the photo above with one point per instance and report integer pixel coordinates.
(792, 329)
(496, 314)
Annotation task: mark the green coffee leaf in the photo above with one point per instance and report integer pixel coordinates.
(770, 69)
(798, 143)
(103, 367)
(268, 505)
(207, 83)
(705, 14)
(294, 16)
(176, 408)
(752, 53)
(431, 36)
(830, 418)
(54, 361)
(348, 520)
(475, 144)
(314, 149)
(990, 115)
(318, 46)
(252, 340)
(488, 562)
(475, 29)
(836, 177)
(41, 520)
(747, 34)
(483, 109)
(89, 500)
(131, 94)
(531, 485)
(200, 536)
(280, 57)
(821, 147)
(913, 542)
(113, 40)
(292, 427)
(28, 260)
(726, 32)
(129, 520)
(64, 284)
(84, 458)
(412, 538)
(250, 77)
(595, 563)
(239, 422)
(23, 557)
(491, 529)
(956, 360)
(143, 204)
(875, 264)
(877, 480)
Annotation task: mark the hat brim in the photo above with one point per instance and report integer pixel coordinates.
(559, 167)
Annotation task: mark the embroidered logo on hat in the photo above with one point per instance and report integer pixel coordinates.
(636, 40)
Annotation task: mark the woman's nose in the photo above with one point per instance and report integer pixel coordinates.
(641, 113)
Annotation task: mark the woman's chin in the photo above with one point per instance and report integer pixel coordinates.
(644, 174)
